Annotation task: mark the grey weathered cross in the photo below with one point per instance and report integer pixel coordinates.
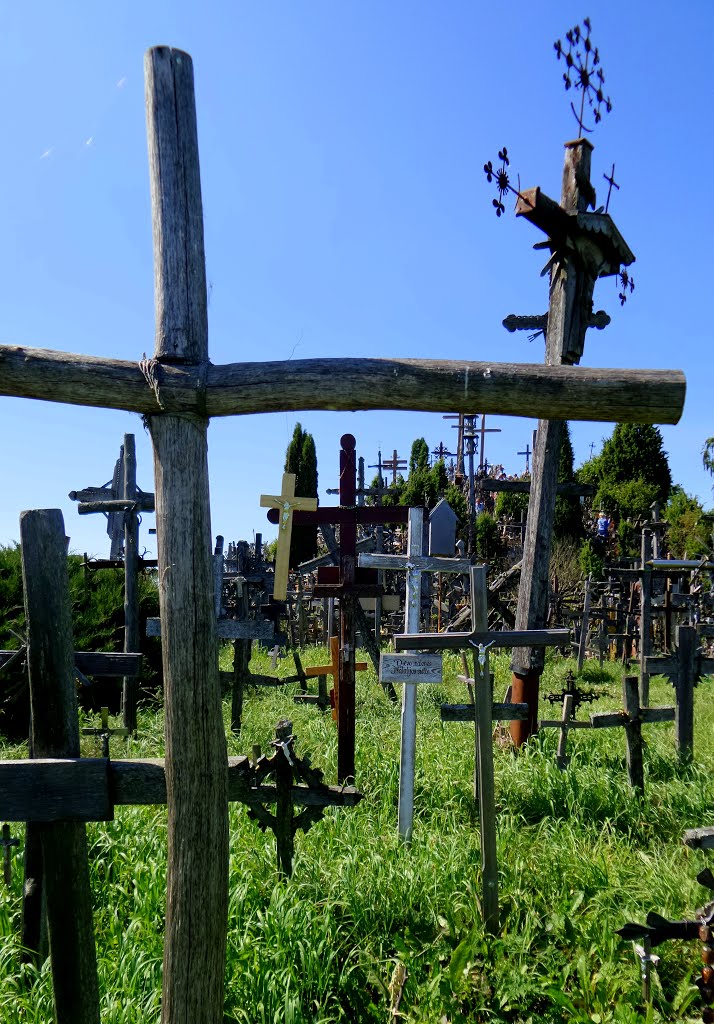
(414, 564)
(122, 505)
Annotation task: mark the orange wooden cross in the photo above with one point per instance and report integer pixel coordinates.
(333, 669)
(286, 503)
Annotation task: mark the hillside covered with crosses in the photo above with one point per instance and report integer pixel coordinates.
(432, 744)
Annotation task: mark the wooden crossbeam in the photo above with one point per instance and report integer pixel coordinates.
(421, 385)
(459, 641)
(88, 789)
(95, 663)
(568, 490)
(499, 712)
(229, 629)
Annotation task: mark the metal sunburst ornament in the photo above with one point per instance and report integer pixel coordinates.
(582, 60)
(503, 183)
(625, 281)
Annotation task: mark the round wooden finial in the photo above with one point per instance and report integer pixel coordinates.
(348, 442)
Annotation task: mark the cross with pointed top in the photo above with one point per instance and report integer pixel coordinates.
(286, 502)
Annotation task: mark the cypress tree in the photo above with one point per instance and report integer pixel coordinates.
(301, 459)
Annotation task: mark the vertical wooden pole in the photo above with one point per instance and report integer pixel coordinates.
(645, 617)
(196, 756)
(582, 646)
(284, 835)
(132, 640)
(571, 289)
(562, 756)
(484, 784)
(687, 642)
(218, 566)
(409, 690)
(346, 696)
(241, 661)
(633, 734)
(55, 733)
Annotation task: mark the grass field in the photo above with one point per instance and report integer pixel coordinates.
(578, 856)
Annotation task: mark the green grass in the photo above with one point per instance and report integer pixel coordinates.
(578, 856)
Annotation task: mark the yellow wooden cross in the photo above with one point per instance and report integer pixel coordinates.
(286, 503)
(333, 669)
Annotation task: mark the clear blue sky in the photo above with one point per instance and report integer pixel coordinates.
(346, 213)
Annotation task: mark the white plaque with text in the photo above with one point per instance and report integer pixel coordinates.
(410, 668)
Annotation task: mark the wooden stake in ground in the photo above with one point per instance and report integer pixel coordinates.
(55, 733)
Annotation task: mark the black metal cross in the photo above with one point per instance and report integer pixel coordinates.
(527, 454)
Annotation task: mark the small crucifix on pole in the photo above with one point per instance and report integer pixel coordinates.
(287, 503)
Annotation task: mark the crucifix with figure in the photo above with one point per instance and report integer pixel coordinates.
(287, 504)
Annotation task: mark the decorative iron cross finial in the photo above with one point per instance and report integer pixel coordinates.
(610, 179)
(581, 74)
(625, 281)
(503, 183)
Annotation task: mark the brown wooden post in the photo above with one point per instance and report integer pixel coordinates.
(645, 616)
(241, 661)
(132, 640)
(55, 733)
(585, 625)
(345, 693)
(687, 642)
(33, 936)
(196, 756)
(484, 783)
(571, 290)
(633, 734)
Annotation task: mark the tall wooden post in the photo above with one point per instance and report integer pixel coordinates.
(346, 695)
(571, 290)
(409, 690)
(55, 733)
(132, 640)
(645, 616)
(484, 784)
(196, 755)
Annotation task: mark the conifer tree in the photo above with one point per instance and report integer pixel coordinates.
(301, 459)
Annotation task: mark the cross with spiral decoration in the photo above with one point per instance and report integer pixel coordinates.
(503, 183)
(581, 61)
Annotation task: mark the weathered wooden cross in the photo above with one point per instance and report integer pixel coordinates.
(414, 563)
(481, 639)
(321, 672)
(104, 732)
(178, 390)
(122, 509)
(395, 464)
(684, 668)
(584, 246)
(632, 718)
